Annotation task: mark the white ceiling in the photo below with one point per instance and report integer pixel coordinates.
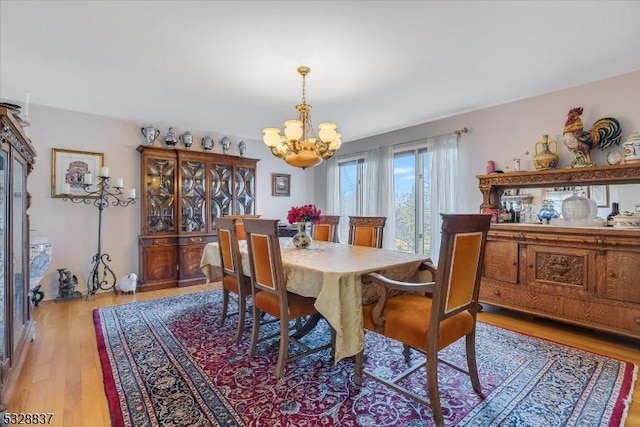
(230, 66)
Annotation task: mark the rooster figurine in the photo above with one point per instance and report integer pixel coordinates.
(604, 133)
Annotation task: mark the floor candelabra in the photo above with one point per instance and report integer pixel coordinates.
(101, 195)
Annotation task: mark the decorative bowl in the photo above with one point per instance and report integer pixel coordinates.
(626, 220)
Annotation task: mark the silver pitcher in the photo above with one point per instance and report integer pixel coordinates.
(225, 142)
(150, 134)
(187, 139)
(207, 143)
(170, 138)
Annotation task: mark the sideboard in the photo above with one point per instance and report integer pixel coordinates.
(587, 276)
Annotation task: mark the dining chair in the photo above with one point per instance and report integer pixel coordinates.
(269, 288)
(431, 316)
(326, 230)
(233, 278)
(240, 233)
(366, 230)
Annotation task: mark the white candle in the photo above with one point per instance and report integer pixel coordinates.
(104, 171)
(119, 183)
(26, 107)
(66, 188)
(88, 179)
(132, 193)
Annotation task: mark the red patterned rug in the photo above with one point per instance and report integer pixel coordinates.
(167, 363)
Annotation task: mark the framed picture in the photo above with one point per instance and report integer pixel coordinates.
(600, 194)
(73, 168)
(280, 184)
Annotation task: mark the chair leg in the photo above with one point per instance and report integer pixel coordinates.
(283, 352)
(255, 331)
(358, 368)
(242, 308)
(471, 362)
(406, 352)
(225, 305)
(432, 384)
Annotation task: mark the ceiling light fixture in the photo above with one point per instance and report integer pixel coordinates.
(299, 146)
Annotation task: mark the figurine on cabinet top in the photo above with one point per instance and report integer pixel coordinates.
(604, 133)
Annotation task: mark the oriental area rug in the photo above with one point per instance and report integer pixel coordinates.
(167, 362)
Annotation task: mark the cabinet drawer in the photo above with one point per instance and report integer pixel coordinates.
(501, 261)
(622, 277)
(563, 270)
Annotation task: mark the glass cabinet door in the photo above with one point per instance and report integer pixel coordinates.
(245, 191)
(4, 202)
(19, 253)
(159, 182)
(221, 191)
(193, 196)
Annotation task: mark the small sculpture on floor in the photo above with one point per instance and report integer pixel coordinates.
(127, 283)
(67, 285)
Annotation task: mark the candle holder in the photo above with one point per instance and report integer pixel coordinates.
(104, 195)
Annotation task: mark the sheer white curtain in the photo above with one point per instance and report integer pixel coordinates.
(378, 190)
(444, 184)
(333, 187)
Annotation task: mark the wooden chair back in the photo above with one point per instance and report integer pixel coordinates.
(459, 268)
(326, 230)
(241, 234)
(366, 230)
(265, 259)
(231, 264)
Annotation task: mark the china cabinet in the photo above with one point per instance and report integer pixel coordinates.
(587, 276)
(183, 192)
(17, 157)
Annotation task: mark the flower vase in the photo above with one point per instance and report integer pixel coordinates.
(301, 239)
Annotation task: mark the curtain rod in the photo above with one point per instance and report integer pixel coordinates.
(457, 132)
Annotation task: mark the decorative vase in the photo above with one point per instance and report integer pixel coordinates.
(40, 251)
(547, 212)
(301, 239)
(631, 148)
(576, 207)
(544, 158)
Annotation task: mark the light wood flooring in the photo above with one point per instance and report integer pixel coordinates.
(62, 374)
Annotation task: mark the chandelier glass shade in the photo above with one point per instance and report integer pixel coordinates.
(298, 144)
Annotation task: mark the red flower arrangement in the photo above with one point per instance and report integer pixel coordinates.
(306, 213)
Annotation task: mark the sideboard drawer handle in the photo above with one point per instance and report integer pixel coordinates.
(196, 239)
(496, 292)
(638, 321)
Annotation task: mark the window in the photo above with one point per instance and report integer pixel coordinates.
(351, 194)
(412, 200)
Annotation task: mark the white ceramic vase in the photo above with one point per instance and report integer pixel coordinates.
(40, 252)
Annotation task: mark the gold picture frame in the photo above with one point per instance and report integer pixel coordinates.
(280, 184)
(70, 167)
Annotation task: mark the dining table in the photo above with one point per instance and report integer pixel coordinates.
(331, 273)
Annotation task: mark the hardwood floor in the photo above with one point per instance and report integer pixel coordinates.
(62, 373)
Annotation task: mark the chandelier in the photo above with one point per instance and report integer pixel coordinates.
(299, 146)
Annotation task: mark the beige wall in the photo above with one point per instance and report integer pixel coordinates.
(499, 133)
(506, 131)
(72, 228)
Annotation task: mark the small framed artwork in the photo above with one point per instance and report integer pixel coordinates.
(72, 170)
(600, 194)
(280, 184)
